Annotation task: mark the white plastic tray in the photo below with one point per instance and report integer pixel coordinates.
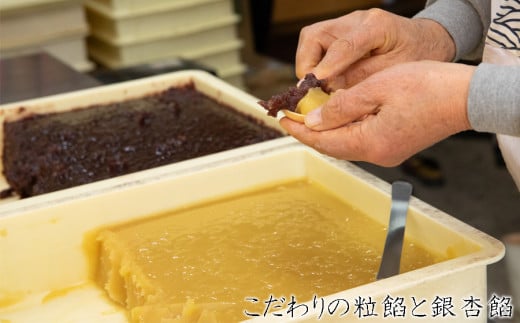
(42, 249)
(204, 82)
(125, 8)
(33, 27)
(221, 57)
(146, 22)
(214, 33)
(70, 50)
(21, 6)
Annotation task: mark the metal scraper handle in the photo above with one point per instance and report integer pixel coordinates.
(391, 260)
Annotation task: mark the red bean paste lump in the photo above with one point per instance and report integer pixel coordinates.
(49, 152)
(290, 98)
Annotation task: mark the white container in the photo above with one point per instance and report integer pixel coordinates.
(204, 83)
(57, 27)
(225, 59)
(69, 50)
(512, 261)
(26, 5)
(221, 57)
(35, 25)
(113, 55)
(42, 251)
(234, 76)
(128, 7)
(146, 22)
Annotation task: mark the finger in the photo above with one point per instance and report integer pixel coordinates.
(312, 44)
(362, 69)
(296, 129)
(359, 35)
(342, 53)
(343, 143)
(344, 106)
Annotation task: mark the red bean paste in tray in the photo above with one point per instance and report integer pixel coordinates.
(49, 152)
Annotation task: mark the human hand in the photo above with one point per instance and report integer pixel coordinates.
(348, 49)
(391, 115)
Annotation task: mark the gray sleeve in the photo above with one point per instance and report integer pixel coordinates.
(494, 96)
(494, 99)
(467, 21)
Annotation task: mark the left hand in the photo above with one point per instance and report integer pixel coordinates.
(391, 115)
(346, 50)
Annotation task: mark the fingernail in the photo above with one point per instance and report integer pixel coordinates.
(313, 118)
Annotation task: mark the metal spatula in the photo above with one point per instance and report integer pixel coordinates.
(391, 260)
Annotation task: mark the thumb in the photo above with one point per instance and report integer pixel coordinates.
(344, 106)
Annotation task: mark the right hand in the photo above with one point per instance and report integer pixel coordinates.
(391, 115)
(348, 49)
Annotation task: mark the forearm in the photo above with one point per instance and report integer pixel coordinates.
(466, 21)
(494, 99)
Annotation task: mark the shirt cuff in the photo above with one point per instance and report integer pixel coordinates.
(462, 22)
(494, 99)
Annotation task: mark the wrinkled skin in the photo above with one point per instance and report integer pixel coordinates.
(384, 121)
(348, 49)
(394, 96)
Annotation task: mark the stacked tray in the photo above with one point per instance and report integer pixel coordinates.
(127, 33)
(54, 26)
